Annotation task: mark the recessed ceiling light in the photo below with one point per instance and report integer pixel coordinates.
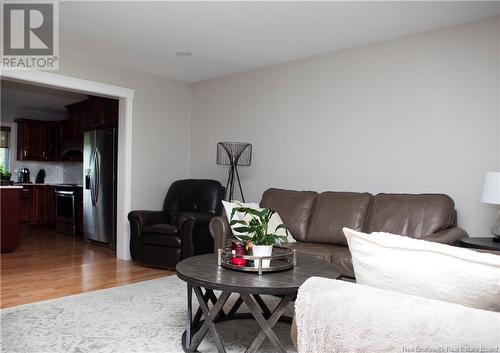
(183, 54)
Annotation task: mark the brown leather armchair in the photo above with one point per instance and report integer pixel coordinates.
(180, 230)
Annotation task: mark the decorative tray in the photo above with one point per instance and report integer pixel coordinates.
(281, 259)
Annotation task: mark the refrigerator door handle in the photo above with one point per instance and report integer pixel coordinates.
(97, 175)
(92, 176)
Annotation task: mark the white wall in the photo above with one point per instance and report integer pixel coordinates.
(417, 114)
(161, 126)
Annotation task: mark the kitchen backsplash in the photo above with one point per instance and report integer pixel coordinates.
(73, 172)
(55, 172)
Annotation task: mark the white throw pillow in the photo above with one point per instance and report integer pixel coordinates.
(228, 208)
(276, 221)
(426, 269)
(273, 223)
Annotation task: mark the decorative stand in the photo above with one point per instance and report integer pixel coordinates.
(282, 259)
(234, 154)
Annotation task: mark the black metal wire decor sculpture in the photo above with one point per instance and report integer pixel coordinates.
(234, 154)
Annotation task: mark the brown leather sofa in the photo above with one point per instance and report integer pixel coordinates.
(316, 220)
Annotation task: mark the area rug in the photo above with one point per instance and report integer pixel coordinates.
(142, 317)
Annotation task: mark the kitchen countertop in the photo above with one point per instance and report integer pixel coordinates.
(10, 187)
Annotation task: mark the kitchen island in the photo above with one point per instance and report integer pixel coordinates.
(10, 197)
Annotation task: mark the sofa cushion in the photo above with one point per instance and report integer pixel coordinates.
(410, 215)
(294, 207)
(193, 195)
(334, 211)
(338, 255)
(162, 228)
(168, 240)
(338, 316)
(426, 269)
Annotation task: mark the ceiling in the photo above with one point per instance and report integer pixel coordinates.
(21, 100)
(228, 37)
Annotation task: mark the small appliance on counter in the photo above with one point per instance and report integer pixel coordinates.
(40, 177)
(23, 175)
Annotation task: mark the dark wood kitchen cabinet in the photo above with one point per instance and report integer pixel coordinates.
(43, 206)
(50, 140)
(97, 114)
(71, 148)
(73, 127)
(94, 113)
(52, 135)
(37, 140)
(49, 206)
(29, 141)
(38, 204)
(111, 117)
(10, 225)
(52, 206)
(26, 194)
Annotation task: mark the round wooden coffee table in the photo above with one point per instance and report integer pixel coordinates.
(203, 276)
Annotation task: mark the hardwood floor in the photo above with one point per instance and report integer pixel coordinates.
(49, 265)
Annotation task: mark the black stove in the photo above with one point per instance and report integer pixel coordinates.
(68, 208)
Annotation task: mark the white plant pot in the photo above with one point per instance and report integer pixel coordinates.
(262, 250)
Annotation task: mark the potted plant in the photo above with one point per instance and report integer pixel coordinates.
(258, 233)
(4, 175)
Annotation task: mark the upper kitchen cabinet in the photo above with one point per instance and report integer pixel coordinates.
(73, 127)
(94, 113)
(111, 117)
(63, 140)
(52, 135)
(29, 140)
(37, 140)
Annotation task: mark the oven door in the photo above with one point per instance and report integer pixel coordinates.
(65, 206)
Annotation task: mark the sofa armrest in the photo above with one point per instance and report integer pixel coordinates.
(221, 232)
(332, 315)
(146, 218)
(193, 230)
(139, 220)
(449, 236)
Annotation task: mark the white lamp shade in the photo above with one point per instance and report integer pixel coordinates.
(491, 188)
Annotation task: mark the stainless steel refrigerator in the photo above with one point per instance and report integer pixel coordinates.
(99, 193)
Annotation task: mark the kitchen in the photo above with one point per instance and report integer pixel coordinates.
(58, 151)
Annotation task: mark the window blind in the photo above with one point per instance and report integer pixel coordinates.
(4, 136)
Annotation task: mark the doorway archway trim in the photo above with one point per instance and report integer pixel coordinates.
(125, 97)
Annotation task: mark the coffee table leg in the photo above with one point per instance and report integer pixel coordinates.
(235, 307)
(208, 323)
(266, 325)
(189, 324)
(263, 306)
(199, 314)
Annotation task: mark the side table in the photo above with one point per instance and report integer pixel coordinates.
(486, 244)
